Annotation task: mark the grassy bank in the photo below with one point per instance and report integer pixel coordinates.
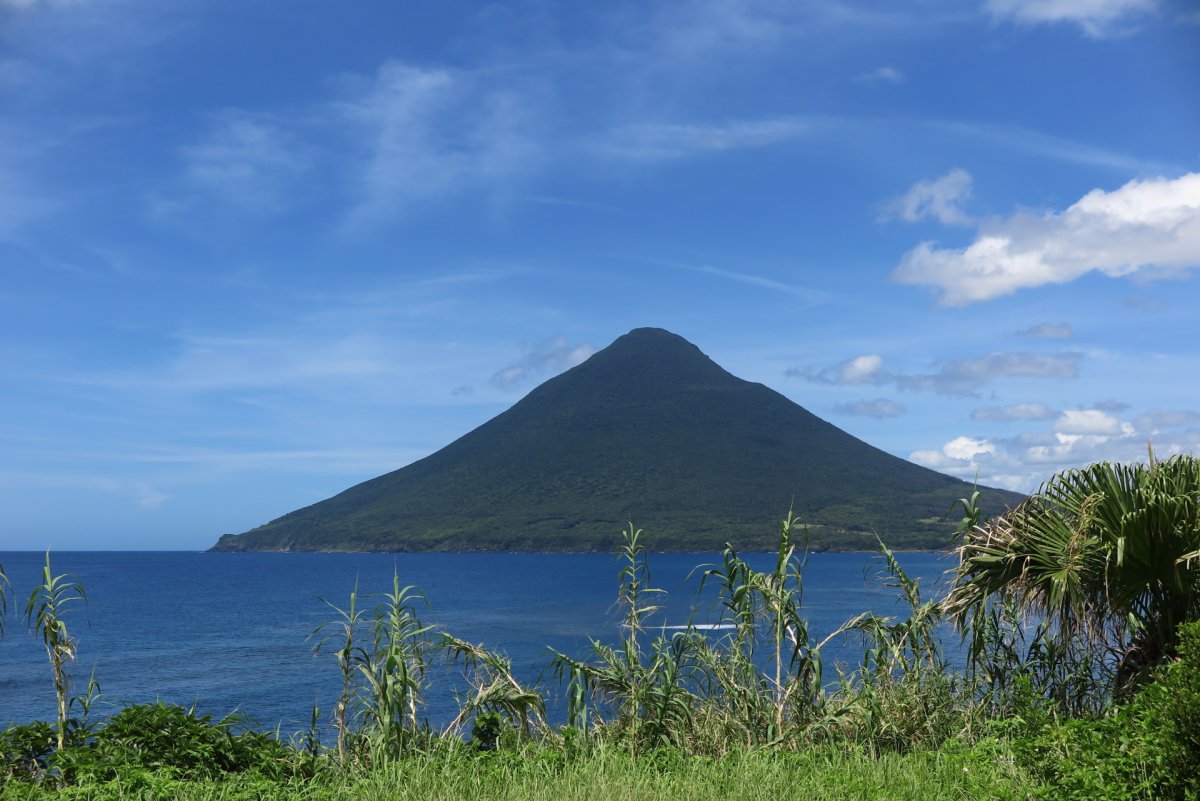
(538, 773)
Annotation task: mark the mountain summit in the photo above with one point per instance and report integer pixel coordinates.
(648, 430)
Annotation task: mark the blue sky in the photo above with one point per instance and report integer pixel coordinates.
(252, 253)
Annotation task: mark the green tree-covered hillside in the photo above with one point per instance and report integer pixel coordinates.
(649, 430)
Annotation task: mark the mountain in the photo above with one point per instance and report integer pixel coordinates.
(648, 430)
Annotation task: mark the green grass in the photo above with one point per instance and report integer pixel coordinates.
(539, 773)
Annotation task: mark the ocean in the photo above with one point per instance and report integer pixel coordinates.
(231, 632)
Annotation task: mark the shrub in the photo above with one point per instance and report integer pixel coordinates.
(25, 751)
(162, 736)
(1147, 749)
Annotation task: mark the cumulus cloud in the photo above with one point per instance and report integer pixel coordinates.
(1075, 438)
(966, 448)
(879, 408)
(957, 454)
(1016, 411)
(1090, 422)
(884, 74)
(1048, 331)
(1145, 227)
(939, 199)
(865, 369)
(546, 357)
(1097, 18)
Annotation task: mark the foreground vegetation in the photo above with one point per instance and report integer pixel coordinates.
(1080, 610)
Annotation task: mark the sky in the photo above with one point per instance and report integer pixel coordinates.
(253, 253)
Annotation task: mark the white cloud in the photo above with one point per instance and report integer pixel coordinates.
(1091, 422)
(1147, 226)
(966, 448)
(957, 455)
(861, 369)
(884, 74)
(546, 357)
(865, 369)
(1016, 411)
(1048, 331)
(939, 199)
(1076, 438)
(879, 408)
(1098, 18)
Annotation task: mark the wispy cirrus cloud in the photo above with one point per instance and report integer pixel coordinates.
(247, 162)
(1164, 419)
(1015, 411)
(1097, 18)
(545, 358)
(685, 33)
(879, 408)
(1048, 331)
(426, 133)
(1146, 227)
(961, 377)
(664, 141)
(1019, 139)
(813, 296)
(881, 75)
(967, 376)
(22, 200)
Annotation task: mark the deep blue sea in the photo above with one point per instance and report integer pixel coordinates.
(228, 632)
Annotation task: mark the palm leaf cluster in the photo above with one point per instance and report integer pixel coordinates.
(1105, 558)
